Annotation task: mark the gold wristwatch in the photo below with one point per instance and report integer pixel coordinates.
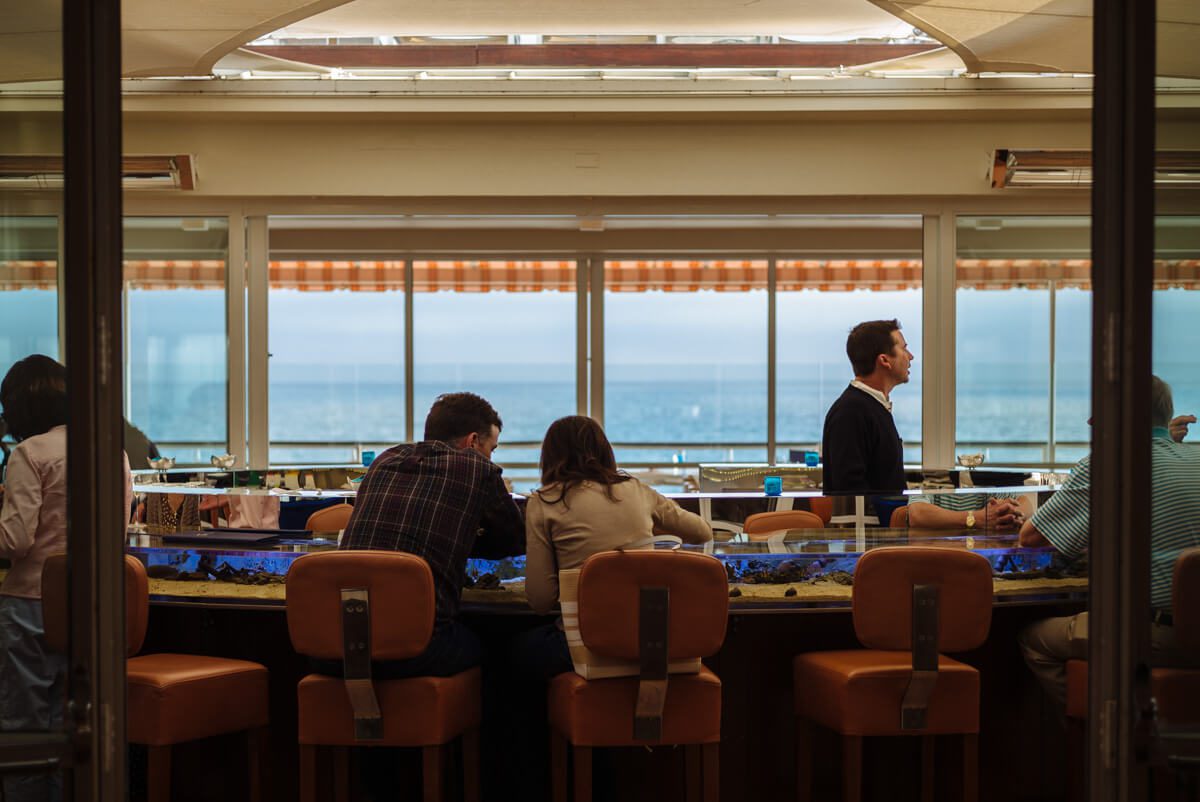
(970, 519)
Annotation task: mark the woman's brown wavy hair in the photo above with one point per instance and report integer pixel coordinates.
(576, 450)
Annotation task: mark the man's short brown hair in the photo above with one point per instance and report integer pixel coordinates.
(453, 416)
(867, 341)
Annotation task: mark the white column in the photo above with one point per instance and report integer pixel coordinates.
(257, 256)
(938, 374)
(235, 339)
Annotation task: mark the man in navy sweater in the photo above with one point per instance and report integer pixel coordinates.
(862, 451)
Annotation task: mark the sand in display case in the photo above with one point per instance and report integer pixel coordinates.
(795, 568)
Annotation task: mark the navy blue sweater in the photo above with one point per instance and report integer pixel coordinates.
(861, 450)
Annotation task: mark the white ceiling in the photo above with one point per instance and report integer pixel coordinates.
(159, 37)
(1044, 35)
(165, 37)
(829, 19)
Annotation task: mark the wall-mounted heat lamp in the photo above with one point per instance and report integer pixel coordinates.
(1064, 169)
(137, 172)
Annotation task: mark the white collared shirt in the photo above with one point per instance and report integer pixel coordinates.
(33, 524)
(871, 391)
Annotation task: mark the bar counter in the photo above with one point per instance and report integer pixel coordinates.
(803, 572)
(790, 594)
(766, 630)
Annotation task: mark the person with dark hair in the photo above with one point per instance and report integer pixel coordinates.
(442, 499)
(138, 447)
(585, 505)
(33, 525)
(861, 450)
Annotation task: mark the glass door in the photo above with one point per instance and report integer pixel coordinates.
(62, 675)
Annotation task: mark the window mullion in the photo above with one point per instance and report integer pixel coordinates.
(771, 368)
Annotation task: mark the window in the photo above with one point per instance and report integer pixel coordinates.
(28, 288)
(505, 329)
(857, 269)
(336, 333)
(1176, 310)
(1072, 374)
(685, 346)
(176, 374)
(1023, 322)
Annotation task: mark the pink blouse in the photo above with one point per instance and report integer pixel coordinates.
(33, 521)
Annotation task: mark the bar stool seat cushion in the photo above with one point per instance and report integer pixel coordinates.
(1176, 692)
(599, 712)
(859, 692)
(1077, 689)
(421, 711)
(182, 697)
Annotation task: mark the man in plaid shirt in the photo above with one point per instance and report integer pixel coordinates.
(444, 500)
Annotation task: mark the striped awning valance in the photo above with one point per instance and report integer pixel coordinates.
(621, 275)
(831, 275)
(677, 275)
(494, 275)
(1034, 273)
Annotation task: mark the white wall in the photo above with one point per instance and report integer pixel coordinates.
(472, 158)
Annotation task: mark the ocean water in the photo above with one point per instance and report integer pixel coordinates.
(723, 409)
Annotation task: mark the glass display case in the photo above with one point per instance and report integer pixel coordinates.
(809, 565)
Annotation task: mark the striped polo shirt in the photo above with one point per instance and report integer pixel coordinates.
(1174, 514)
(961, 502)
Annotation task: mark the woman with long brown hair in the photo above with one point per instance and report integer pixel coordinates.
(585, 505)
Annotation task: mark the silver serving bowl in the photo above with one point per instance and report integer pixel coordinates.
(970, 460)
(162, 463)
(224, 461)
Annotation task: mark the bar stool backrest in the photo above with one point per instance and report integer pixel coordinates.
(1185, 603)
(899, 518)
(56, 614)
(401, 602)
(822, 507)
(610, 586)
(330, 519)
(762, 523)
(883, 596)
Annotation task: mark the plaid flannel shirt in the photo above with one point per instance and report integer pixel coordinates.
(440, 503)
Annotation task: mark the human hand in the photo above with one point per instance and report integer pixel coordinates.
(1179, 427)
(1002, 515)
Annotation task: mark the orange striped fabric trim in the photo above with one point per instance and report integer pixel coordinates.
(621, 275)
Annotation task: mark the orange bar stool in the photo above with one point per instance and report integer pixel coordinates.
(172, 698)
(330, 519)
(910, 603)
(762, 524)
(822, 507)
(657, 612)
(1176, 691)
(360, 606)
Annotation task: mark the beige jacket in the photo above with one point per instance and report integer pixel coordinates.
(561, 536)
